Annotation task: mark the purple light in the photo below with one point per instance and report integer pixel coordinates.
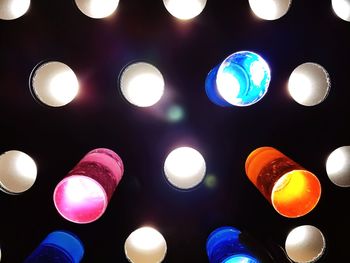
(83, 196)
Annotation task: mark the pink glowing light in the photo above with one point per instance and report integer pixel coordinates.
(83, 196)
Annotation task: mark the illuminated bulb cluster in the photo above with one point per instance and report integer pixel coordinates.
(309, 84)
(13, 9)
(54, 84)
(18, 172)
(305, 244)
(185, 9)
(141, 84)
(242, 79)
(145, 245)
(270, 9)
(97, 8)
(184, 168)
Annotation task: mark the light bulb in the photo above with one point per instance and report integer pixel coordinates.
(224, 245)
(270, 9)
(18, 172)
(145, 245)
(185, 9)
(141, 84)
(342, 9)
(242, 79)
(53, 83)
(309, 84)
(338, 166)
(184, 168)
(292, 190)
(58, 246)
(83, 195)
(305, 244)
(13, 9)
(97, 8)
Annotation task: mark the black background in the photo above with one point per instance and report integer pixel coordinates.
(97, 50)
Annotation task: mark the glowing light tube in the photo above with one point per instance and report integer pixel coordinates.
(58, 246)
(185, 9)
(270, 9)
(292, 190)
(224, 245)
(97, 8)
(242, 79)
(342, 9)
(83, 196)
(18, 172)
(53, 84)
(13, 9)
(305, 244)
(338, 166)
(145, 245)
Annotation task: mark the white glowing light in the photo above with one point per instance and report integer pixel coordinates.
(142, 84)
(97, 8)
(145, 245)
(18, 172)
(228, 87)
(185, 167)
(305, 244)
(342, 9)
(12, 9)
(270, 9)
(338, 166)
(79, 188)
(309, 84)
(185, 9)
(54, 84)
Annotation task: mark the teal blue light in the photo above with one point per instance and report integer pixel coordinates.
(242, 79)
(240, 259)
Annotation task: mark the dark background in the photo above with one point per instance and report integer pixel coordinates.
(97, 50)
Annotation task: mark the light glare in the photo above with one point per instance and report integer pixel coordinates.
(97, 8)
(185, 9)
(342, 9)
(145, 245)
(338, 166)
(142, 84)
(54, 84)
(184, 167)
(269, 9)
(309, 84)
(18, 172)
(13, 9)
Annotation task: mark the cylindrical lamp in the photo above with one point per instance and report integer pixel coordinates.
(338, 166)
(53, 83)
(18, 172)
(242, 79)
(342, 9)
(225, 245)
(185, 9)
(145, 245)
(270, 9)
(305, 244)
(58, 246)
(13, 9)
(97, 8)
(83, 195)
(292, 190)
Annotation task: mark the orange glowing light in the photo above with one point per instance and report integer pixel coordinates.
(292, 190)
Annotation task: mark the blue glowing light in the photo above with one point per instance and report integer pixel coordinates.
(58, 246)
(242, 79)
(224, 245)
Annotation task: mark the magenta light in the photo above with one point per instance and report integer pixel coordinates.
(83, 195)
